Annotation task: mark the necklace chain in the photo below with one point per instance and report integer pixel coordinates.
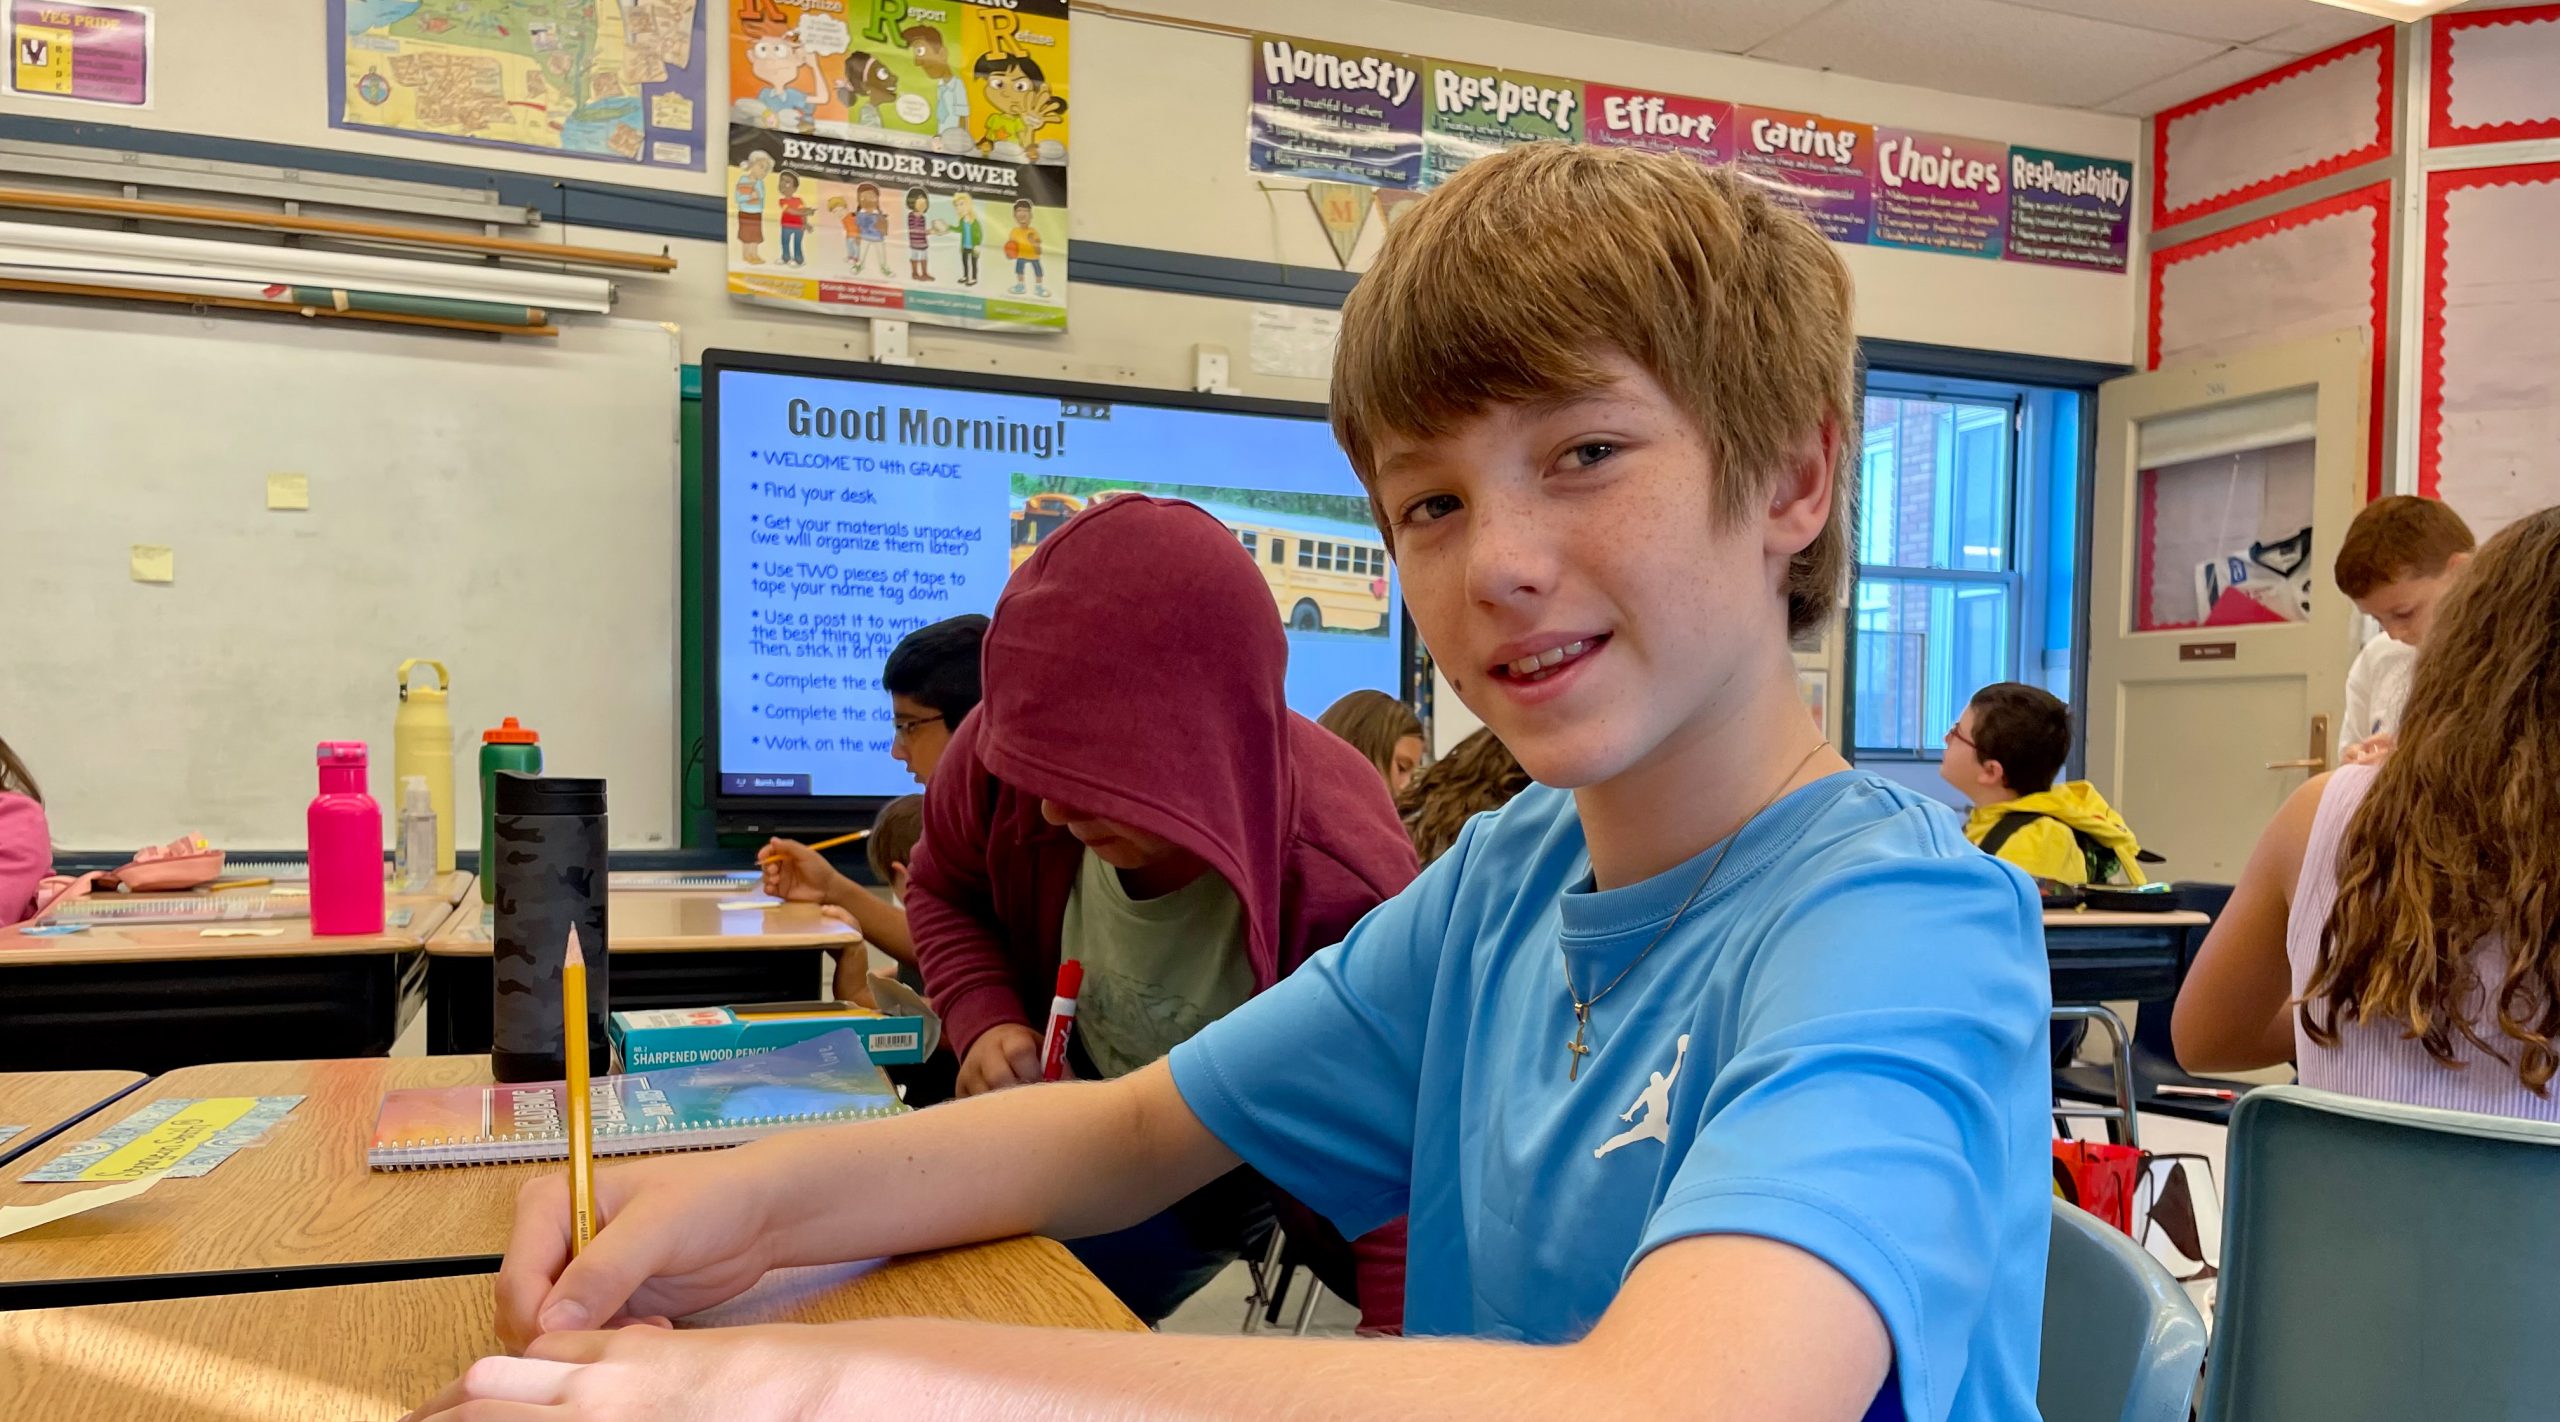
(1581, 1005)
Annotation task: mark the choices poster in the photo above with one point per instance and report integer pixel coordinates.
(621, 82)
(901, 159)
(1940, 194)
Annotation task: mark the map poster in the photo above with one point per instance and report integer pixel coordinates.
(898, 158)
(96, 54)
(620, 81)
(1824, 167)
(1473, 111)
(1335, 111)
(2067, 210)
(1700, 130)
(1935, 193)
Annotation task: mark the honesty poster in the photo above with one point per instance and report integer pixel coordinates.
(898, 159)
(2068, 210)
(1935, 193)
(1823, 167)
(1475, 111)
(1696, 129)
(1330, 111)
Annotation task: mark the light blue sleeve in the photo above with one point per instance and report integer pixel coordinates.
(1891, 1060)
(1314, 1082)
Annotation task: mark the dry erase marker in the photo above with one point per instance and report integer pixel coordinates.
(1062, 1022)
(582, 1163)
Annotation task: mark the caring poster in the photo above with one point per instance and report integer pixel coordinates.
(897, 159)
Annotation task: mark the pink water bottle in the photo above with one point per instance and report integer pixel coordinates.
(346, 845)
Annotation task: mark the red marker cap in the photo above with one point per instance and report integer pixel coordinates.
(1070, 978)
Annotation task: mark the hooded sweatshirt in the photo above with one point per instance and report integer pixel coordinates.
(1135, 670)
(2046, 847)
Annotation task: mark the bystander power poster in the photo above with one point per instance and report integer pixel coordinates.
(1475, 111)
(2069, 211)
(1337, 112)
(1935, 193)
(903, 160)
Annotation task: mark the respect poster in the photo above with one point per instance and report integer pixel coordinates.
(1476, 111)
(1823, 167)
(1697, 129)
(901, 159)
(2068, 210)
(1935, 193)
(1339, 112)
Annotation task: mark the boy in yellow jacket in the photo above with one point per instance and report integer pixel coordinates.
(2002, 754)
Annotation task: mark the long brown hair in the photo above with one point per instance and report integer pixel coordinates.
(1373, 721)
(1477, 774)
(2458, 841)
(14, 778)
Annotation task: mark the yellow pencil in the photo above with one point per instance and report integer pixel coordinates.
(767, 856)
(582, 1165)
(220, 885)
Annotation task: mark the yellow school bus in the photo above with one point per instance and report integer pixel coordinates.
(1323, 577)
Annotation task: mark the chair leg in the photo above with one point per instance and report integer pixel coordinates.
(1307, 1306)
(1269, 1283)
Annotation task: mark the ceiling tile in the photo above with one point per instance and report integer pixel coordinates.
(2219, 72)
(1985, 48)
(1728, 26)
(2322, 26)
(2231, 21)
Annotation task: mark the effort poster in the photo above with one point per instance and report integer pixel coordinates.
(892, 158)
(619, 82)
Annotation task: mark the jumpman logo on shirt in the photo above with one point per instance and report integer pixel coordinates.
(1654, 1103)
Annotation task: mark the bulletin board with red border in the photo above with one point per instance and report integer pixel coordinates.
(2281, 103)
(2526, 42)
(2489, 357)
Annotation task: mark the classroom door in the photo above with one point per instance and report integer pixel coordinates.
(2218, 646)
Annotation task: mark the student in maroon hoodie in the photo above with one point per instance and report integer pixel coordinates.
(1135, 793)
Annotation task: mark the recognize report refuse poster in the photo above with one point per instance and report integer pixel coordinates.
(1823, 167)
(1936, 193)
(93, 54)
(899, 158)
(2068, 210)
(617, 81)
(1335, 112)
(1474, 111)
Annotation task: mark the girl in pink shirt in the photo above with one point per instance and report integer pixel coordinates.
(26, 844)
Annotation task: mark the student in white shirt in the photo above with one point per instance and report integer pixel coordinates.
(2398, 560)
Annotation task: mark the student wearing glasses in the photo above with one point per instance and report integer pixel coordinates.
(932, 681)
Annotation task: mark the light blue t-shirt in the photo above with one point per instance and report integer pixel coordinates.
(1842, 1047)
(950, 104)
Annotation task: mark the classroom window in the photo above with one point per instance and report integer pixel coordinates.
(1967, 552)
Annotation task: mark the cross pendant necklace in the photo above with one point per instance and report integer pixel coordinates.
(1575, 1050)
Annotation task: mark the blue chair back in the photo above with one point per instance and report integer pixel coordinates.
(2122, 1342)
(2385, 1261)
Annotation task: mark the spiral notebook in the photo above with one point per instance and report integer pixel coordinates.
(819, 1082)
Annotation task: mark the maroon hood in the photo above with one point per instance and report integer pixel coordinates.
(1077, 643)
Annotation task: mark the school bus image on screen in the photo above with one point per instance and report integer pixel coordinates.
(1319, 581)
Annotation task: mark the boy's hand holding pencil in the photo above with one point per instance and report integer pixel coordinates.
(799, 873)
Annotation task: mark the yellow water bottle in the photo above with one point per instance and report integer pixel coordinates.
(422, 745)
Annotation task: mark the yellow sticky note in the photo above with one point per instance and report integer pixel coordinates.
(160, 1147)
(154, 564)
(288, 491)
(15, 1218)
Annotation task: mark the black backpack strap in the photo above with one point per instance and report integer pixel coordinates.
(2007, 826)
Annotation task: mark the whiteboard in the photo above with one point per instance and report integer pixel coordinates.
(508, 508)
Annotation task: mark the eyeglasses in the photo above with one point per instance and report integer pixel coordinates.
(905, 727)
(1958, 737)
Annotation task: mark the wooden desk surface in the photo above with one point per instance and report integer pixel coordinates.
(376, 1350)
(685, 921)
(37, 1101)
(301, 1197)
(154, 943)
(2103, 918)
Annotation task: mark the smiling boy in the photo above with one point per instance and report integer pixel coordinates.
(1716, 1071)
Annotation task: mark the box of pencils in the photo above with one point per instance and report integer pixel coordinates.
(905, 1030)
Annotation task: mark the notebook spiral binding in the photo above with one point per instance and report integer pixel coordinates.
(625, 1139)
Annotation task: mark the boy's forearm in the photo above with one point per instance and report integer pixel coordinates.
(881, 921)
(1067, 1160)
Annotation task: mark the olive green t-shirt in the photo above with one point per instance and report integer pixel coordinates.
(1155, 970)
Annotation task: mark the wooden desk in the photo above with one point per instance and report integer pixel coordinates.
(670, 949)
(154, 998)
(376, 1350)
(300, 1207)
(2100, 956)
(40, 1103)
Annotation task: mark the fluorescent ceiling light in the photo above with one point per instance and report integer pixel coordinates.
(2404, 11)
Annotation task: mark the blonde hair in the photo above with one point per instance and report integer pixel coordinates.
(1508, 284)
(2458, 841)
(1373, 721)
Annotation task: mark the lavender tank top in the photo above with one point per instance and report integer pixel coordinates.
(2376, 1059)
